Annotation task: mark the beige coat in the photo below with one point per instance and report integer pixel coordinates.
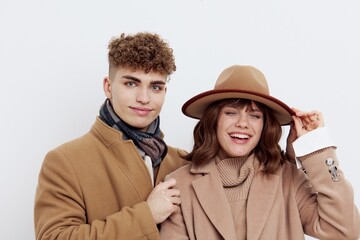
(281, 206)
(95, 187)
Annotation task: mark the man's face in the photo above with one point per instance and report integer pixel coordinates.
(137, 97)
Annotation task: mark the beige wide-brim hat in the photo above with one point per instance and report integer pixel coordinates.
(237, 81)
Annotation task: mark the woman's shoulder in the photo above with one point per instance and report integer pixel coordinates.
(183, 176)
(181, 172)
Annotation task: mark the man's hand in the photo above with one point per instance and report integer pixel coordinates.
(164, 200)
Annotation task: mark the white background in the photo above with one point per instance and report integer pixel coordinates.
(53, 59)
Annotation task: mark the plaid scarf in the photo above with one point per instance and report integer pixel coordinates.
(149, 142)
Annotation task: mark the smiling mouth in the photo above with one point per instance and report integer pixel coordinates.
(240, 136)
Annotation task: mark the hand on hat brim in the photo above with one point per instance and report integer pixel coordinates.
(305, 122)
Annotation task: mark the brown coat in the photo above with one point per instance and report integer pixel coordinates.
(95, 187)
(281, 206)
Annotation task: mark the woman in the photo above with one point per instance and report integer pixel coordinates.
(240, 185)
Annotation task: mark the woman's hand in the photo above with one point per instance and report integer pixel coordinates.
(305, 122)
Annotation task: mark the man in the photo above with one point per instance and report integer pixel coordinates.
(101, 185)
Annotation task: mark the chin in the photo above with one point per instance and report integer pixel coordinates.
(240, 154)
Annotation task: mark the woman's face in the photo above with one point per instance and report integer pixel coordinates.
(239, 129)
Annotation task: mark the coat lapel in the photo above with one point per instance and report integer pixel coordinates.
(212, 198)
(126, 157)
(260, 201)
(133, 167)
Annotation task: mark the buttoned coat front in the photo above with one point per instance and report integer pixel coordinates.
(95, 187)
(281, 206)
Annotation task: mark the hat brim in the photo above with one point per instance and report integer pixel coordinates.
(196, 105)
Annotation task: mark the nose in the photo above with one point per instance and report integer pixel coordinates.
(242, 121)
(143, 96)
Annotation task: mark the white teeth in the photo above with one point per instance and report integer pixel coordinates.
(237, 135)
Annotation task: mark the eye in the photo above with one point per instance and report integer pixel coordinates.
(229, 112)
(256, 115)
(131, 84)
(157, 88)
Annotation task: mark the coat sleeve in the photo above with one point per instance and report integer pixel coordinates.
(60, 210)
(325, 198)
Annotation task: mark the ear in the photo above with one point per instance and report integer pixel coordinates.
(107, 87)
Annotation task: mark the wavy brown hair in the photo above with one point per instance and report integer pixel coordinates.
(142, 51)
(206, 145)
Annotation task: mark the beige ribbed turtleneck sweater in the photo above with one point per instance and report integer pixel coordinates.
(236, 176)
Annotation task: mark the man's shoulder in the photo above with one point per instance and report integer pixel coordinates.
(176, 151)
(75, 143)
(176, 155)
(73, 148)
(96, 133)
(80, 145)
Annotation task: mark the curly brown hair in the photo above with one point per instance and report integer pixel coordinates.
(142, 51)
(206, 145)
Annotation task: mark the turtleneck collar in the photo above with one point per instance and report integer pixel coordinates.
(234, 171)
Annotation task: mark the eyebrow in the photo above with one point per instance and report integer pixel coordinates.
(139, 80)
(248, 108)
